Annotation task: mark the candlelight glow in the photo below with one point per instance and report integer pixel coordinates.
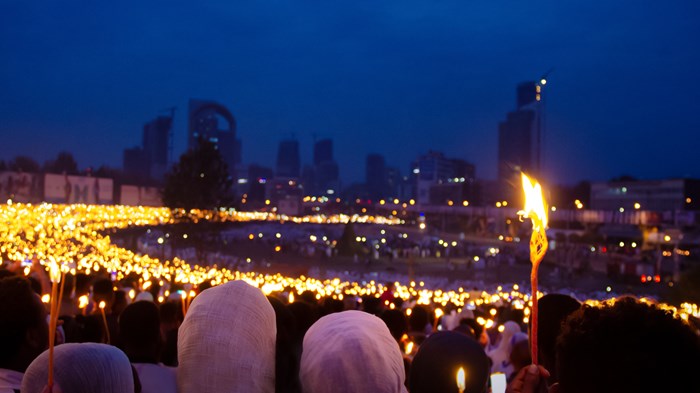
(102, 305)
(55, 273)
(460, 380)
(409, 347)
(82, 301)
(74, 236)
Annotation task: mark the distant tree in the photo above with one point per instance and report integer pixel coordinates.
(3, 166)
(64, 163)
(24, 164)
(199, 180)
(348, 244)
(623, 178)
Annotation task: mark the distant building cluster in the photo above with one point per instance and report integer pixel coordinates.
(431, 179)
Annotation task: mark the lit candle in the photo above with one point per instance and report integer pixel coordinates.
(438, 314)
(55, 276)
(291, 297)
(536, 210)
(460, 380)
(191, 296)
(409, 348)
(82, 303)
(104, 320)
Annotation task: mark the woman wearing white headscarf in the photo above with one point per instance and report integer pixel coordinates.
(351, 351)
(227, 342)
(500, 356)
(81, 368)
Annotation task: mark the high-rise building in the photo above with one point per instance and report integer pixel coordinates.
(439, 176)
(212, 121)
(156, 139)
(150, 162)
(325, 169)
(288, 161)
(375, 176)
(519, 138)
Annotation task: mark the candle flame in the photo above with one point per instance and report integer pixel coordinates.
(102, 305)
(55, 273)
(82, 301)
(438, 313)
(291, 297)
(409, 347)
(460, 379)
(535, 205)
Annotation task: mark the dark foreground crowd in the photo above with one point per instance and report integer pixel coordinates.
(233, 338)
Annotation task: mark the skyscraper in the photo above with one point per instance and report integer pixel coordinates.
(519, 138)
(156, 139)
(214, 122)
(150, 162)
(375, 176)
(288, 161)
(326, 173)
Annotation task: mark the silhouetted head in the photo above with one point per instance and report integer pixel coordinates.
(23, 328)
(139, 332)
(553, 310)
(439, 358)
(397, 323)
(626, 346)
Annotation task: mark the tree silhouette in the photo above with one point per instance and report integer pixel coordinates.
(64, 163)
(200, 180)
(347, 244)
(24, 164)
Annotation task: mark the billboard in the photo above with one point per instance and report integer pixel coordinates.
(140, 196)
(77, 189)
(20, 187)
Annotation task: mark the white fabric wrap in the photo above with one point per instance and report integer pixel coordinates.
(351, 351)
(82, 368)
(227, 342)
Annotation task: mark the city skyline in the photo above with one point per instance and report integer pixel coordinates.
(397, 78)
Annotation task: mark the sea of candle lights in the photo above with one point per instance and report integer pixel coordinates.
(72, 238)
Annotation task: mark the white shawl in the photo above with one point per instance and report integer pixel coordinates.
(351, 351)
(227, 342)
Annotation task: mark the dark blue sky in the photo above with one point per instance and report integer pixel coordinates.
(395, 77)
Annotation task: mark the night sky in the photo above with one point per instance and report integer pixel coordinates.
(393, 77)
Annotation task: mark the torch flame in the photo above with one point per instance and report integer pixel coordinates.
(535, 205)
(460, 379)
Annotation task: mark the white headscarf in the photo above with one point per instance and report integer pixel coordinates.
(227, 342)
(82, 368)
(501, 355)
(351, 351)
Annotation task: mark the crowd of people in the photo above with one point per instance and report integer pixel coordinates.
(234, 338)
